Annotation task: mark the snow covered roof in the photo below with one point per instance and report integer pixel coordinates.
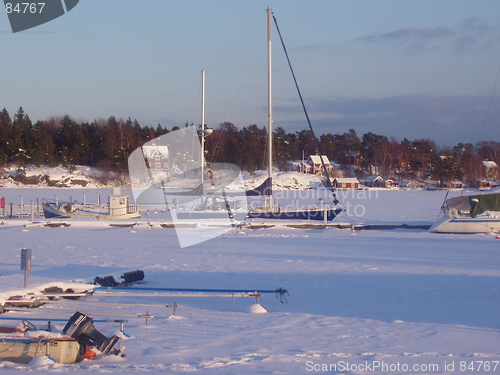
(317, 160)
(373, 178)
(150, 151)
(490, 164)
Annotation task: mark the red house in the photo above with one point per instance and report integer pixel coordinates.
(346, 183)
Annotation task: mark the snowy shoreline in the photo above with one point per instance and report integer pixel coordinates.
(391, 296)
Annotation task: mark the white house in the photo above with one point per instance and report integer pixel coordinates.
(316, 166)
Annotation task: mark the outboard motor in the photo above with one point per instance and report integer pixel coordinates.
(81, 327)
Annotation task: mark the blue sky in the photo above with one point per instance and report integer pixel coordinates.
(414, 69)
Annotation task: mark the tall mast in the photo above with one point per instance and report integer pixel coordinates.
(202, 160)
(269, 94)
(269, 101)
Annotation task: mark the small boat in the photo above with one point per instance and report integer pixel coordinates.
(14, 348)
(23, 344)
(118, 207)
(470, 214)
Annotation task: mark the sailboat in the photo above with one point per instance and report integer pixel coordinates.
(189, 199)
(270, 210)
(470, 214)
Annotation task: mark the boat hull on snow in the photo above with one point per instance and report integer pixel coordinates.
(52, 210)
(470, 214)
(449, 224)
(24, 350)
(296, 214)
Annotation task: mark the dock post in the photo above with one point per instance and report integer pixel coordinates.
(26, 265)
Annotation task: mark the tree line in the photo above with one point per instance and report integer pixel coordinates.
(108, 143)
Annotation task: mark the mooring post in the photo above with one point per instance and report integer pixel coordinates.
(26, 265)
(32, 211)
(175, 306)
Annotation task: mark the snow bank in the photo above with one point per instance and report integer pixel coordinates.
(59, 177)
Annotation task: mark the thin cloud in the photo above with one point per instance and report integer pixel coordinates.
(412, 36)
(446, 119)
(475, 25)
(470, 34)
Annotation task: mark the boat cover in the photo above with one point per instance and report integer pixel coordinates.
(482, 203)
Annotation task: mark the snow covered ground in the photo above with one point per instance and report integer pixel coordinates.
(373, 301)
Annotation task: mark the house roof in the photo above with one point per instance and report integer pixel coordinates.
(373, 178)
(150, 151)
(317, 160)
(406, 183)
(490, 164)
(347, 180)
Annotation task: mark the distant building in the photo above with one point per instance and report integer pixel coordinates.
(316, 166)
(346, 183)
(353, 158)
(377, 181)
(303, 167)
(156, 156)
(491, 169)
(407, 184)
(455, 185)
(373, 180)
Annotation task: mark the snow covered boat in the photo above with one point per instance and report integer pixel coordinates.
(24, 343)
(118, 207)
(15, 348)
(470, 214)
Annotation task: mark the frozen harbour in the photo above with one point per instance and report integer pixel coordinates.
(374, 301)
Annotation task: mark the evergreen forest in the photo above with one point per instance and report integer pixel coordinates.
(108, 143)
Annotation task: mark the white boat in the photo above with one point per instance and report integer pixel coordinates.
(118, 207)
(470, 214)
(20, 349)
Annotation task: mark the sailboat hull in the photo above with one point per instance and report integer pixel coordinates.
(297, 214)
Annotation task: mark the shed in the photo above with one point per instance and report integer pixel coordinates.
(407, 184)
(373, 180)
